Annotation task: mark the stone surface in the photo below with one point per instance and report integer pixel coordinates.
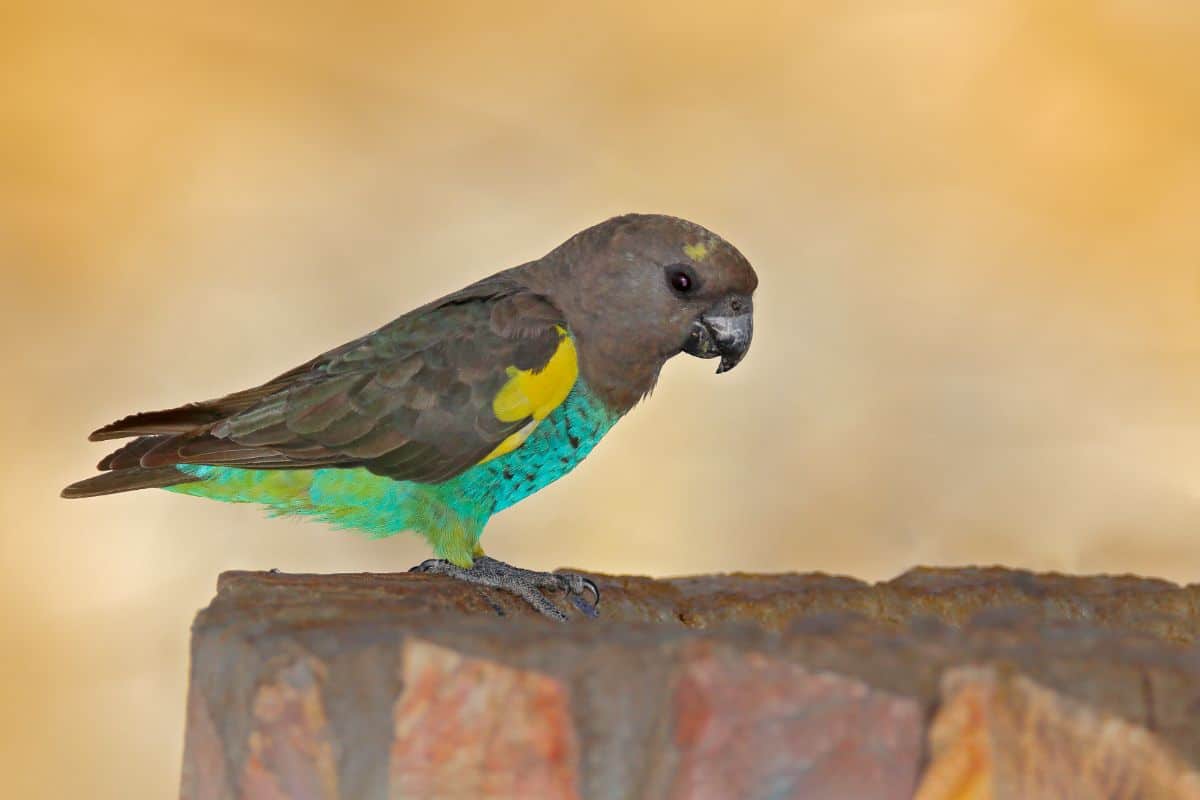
(1001, 736)
(745, 724)
(376, 686)
(290, 748)
(527, 748)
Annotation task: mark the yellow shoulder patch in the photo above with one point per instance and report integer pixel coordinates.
(535, 394)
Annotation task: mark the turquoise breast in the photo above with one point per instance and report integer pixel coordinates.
(563, 439)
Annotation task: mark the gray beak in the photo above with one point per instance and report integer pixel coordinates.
(724, 330)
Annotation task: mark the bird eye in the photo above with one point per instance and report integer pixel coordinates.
(681, 278)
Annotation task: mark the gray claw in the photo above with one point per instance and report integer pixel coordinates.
(576, 584)
(589, 584)
(524, 583)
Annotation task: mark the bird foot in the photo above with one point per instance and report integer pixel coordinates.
(524, 583)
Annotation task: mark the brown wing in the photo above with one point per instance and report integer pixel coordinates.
(412, 400)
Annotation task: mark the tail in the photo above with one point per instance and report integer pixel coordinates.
(127, 480)
(122, 470)
(172, 420)
(195, 415)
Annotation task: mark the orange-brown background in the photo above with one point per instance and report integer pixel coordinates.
(975, 225)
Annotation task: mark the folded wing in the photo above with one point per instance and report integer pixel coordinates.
(413, 400)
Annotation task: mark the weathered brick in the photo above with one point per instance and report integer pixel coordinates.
(1001, 736)
(471, 728)
(750, 726)
(290, 749)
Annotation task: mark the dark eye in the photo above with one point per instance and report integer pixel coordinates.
(682, 279)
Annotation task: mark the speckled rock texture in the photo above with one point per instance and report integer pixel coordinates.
(942, 683)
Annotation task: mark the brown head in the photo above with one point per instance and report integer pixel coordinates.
(640, 288)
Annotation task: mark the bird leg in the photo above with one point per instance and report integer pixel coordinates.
(524, 583)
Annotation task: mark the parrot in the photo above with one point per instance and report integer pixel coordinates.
(463, 407)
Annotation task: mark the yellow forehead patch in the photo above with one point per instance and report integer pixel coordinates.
(696, 252)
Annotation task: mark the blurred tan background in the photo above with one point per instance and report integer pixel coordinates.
(975, 226)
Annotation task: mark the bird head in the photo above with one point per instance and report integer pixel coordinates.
(641, 288)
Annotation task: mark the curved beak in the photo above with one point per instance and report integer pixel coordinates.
(724, 330)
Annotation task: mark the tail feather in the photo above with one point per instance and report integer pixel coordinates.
(197, 415)
(127, 480)
(130, 455)
(171, 420)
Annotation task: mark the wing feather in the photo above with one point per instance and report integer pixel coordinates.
(413, 400)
